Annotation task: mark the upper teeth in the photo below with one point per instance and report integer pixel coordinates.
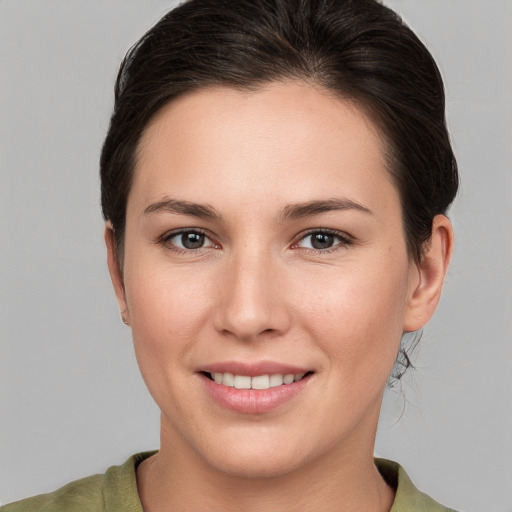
(257, 382)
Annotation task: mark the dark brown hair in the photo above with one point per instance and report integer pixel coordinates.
(357, 49)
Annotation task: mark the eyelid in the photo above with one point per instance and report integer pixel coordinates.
(345, 240)
(164, 240)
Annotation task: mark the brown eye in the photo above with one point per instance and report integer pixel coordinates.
(323, 240)
(189, 240)
(192, 240)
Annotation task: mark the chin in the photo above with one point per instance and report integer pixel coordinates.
(257, 464)
(258, 453)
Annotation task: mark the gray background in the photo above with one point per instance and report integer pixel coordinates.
(72, 402)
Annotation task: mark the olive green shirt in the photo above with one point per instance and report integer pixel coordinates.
(116, 490)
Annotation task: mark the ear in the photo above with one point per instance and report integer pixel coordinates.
(116, 274)
(427, 276)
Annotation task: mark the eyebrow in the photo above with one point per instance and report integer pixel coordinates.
(311, 208)
(168, 205)
(290, 212)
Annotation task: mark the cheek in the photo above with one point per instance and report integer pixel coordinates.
(168, 312)
(357, 316)
(164, 297)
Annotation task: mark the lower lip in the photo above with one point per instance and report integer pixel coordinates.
(253, 401)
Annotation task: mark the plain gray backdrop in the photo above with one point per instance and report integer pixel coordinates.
(72, 401)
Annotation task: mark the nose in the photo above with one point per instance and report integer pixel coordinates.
(252, 298)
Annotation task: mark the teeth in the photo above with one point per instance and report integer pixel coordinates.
(257, 382)
(260, 382)
(228, 379)
(288, 378)
(276, 380)
(242, 382)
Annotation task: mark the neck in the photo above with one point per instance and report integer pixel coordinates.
(347, 479)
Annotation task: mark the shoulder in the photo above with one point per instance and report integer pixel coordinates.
(114, 490)
(83, 494)
(408, 497)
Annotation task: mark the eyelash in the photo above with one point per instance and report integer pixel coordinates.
(165, 240)
(343, 240)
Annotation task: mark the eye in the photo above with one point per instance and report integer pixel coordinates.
(322, 240)
(188, 240)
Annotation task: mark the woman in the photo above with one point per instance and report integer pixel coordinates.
(274, 183)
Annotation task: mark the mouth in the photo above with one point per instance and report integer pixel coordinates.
(257, 382)
(254, 388)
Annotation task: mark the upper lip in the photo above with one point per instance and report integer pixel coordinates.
(252, 369)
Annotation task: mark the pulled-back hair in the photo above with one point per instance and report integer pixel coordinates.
(356, 49)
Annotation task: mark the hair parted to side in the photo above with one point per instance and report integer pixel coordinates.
(357, 49)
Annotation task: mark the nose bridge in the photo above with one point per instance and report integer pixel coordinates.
(250, 302)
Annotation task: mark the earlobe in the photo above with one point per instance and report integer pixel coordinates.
(115, 272)
(427, 276)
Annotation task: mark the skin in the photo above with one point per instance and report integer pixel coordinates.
(258, 290)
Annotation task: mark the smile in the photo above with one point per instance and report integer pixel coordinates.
(254, 388)
(256, 382)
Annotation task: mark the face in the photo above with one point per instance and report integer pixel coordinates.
(266, 277)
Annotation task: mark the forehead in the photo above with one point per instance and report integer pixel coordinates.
(285, 139)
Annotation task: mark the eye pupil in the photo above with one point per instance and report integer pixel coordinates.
(322, 240)
(192, 240)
